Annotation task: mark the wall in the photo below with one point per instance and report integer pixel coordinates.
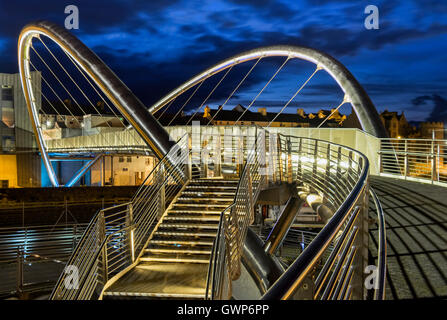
(8, 169)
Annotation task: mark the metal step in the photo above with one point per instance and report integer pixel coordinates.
(176, 258)
(229, 195)
(200, 205)
(185, 217)
(182, 250)
(210, 187)
(188, 211)
(202, 198)
(211, 180)
(181, 233)
(142, 295)
(169, 225)
(189, 242)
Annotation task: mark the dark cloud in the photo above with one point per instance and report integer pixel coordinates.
(439, 111)
(155, 46)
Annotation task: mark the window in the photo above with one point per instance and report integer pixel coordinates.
(121, 159)
(129, 159)
(7, 93)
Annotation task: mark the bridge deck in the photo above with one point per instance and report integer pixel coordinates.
(416, 219)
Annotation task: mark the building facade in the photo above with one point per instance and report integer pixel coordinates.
(19, 159)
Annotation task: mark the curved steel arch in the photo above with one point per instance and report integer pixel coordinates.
(357, 96)
(117, 92)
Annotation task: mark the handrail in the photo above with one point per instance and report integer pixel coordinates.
(125, 228)
(296, 274)
(422, 160)
(379, 292)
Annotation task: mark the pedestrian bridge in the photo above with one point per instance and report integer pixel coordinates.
(193, 228)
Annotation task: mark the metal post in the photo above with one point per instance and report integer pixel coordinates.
(300, 152)
(433, 161)
(218, 157)
(250, 194)
(289, 162)
(162, 198)
(19, 270)
(314, 166)
(102, 237)
(189, 164)
(279, 156)
(406, 159)
(129, 222)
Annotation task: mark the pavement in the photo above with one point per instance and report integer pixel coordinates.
(416, 222)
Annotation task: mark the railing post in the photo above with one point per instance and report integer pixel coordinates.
(300, 153)
(130, 226)
(19, 270)
(315, 164)
(161, 192)
(279, 155)
(189, 164)
(406, 167)
(102, 237)
(289, 162)
(240, 157)
(433, 161)
(328, 166)
(218, 156)
(250, 194)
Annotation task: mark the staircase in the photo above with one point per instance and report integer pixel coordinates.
(175, 261)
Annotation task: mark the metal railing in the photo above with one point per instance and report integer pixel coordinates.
(421, 159)
(331, 267)
(234, 222)
(116, 236)
(32, 258)
(340, 176)
(379, 290)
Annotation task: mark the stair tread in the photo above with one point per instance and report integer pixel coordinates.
(185, 233)
(176, 257)
(186, 250)
(182, 242)
(168, 225)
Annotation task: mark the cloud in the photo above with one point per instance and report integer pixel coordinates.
(439, 111)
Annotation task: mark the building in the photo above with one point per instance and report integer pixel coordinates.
(397, 125)
(19, 159)
(243, 116)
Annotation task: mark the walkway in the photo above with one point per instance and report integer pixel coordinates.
(416, 219)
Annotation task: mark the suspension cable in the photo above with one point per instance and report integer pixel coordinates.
(265, 86)
(54, 92)
(209, 95)
(345, 100)
(100, 96)
(82, 91)
(235, 89)
(189, 98)
(169, 105)
(293, 97)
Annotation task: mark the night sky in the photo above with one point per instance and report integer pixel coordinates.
(154, 46)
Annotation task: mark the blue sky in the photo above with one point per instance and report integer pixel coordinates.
(156, 45)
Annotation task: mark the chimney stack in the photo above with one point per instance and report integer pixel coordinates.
(263, 111)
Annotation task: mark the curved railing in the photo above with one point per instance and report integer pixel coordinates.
(116, 236)
(379, 290)
(340, 176)
(337, 175)
(234, 222)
